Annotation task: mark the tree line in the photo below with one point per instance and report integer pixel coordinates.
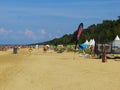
(104, 32)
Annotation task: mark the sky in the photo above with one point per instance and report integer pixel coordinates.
(33, 21)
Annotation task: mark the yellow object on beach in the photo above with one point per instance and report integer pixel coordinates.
(30, 51)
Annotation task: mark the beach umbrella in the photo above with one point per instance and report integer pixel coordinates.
(79, 31)
(82, 46)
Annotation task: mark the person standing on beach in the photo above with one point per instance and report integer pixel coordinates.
(30, 50)
(91, 50)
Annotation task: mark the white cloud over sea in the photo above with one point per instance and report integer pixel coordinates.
(26, 35)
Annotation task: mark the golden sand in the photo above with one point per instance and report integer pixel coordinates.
(56, 71)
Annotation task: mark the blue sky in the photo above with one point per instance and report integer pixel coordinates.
(32, 21)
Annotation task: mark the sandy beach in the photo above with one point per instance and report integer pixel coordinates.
(56, 71)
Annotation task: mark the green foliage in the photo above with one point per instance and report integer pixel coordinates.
(102, 33)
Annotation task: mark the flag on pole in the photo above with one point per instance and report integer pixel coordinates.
(79, 31)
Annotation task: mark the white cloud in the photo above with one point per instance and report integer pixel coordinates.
(42, 31)
(30, 35)
(35, 35)
(4, 31)
(44, 35)
(29, 32)
(41, 34)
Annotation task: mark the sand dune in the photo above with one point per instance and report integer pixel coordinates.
(56, 71)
